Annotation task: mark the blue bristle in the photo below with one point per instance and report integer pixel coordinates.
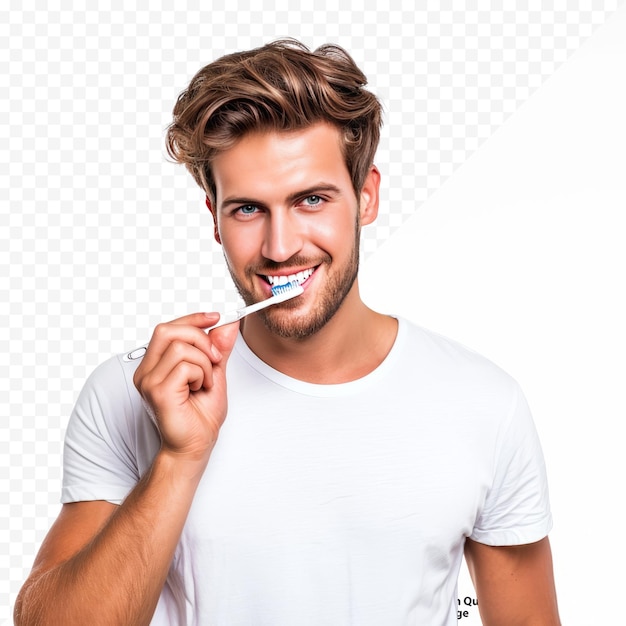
(277, 289)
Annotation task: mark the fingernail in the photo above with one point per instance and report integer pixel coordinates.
(215, 353)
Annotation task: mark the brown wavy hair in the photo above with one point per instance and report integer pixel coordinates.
(282, 86)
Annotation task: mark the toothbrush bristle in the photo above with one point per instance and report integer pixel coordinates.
(279, 289)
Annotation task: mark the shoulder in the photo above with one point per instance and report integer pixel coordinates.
(113, 377)
(441, 359)
(110, 439)
(108, 396)
(114, 370)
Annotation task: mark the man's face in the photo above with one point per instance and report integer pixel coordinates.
(285, 207)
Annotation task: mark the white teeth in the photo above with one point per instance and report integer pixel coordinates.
(300, 277)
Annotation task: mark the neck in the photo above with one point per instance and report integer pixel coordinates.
(351, 345)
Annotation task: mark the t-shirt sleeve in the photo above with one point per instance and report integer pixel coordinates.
(517, 508)
(99, 458)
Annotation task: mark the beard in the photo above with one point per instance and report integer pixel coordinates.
(283, 319)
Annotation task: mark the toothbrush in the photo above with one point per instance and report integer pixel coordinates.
(280, 293)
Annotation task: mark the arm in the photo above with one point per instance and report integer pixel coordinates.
(514, 584)
(104, 564)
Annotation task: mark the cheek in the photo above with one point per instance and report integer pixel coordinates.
(332, 230)
(240, 245)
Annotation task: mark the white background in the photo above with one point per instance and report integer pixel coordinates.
(521, 255)
(501, 224)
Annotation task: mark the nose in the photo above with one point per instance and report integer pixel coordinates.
(283, 236)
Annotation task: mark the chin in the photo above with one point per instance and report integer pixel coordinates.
(293, 330)
(285, 321)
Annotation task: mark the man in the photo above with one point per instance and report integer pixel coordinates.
(318, 463)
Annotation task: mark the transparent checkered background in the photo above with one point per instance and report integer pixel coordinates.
(102, 237)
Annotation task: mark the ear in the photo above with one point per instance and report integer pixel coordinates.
(216, 232)
(369, 196)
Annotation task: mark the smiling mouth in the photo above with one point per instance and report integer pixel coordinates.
(298, 277)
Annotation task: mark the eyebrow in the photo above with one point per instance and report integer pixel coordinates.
(292, 197)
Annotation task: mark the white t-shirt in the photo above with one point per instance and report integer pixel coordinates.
(330, 505)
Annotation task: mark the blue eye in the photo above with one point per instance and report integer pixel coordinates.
(247, 209)
(313, 200)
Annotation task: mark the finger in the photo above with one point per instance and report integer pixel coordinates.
(200, 320)
(224, 338)
(165, 334)
(192, 375)
(175, 390)
(179, 352)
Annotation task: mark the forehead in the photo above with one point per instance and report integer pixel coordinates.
(261, 162)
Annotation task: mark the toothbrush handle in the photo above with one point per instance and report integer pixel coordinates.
(225, 318)
(233, 316)
(228, 318)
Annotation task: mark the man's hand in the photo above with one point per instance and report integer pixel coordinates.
(106, 564)
(182, 379)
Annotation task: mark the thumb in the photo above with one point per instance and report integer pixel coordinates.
(224, 338)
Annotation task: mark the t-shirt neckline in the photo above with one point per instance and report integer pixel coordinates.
(324, 390)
